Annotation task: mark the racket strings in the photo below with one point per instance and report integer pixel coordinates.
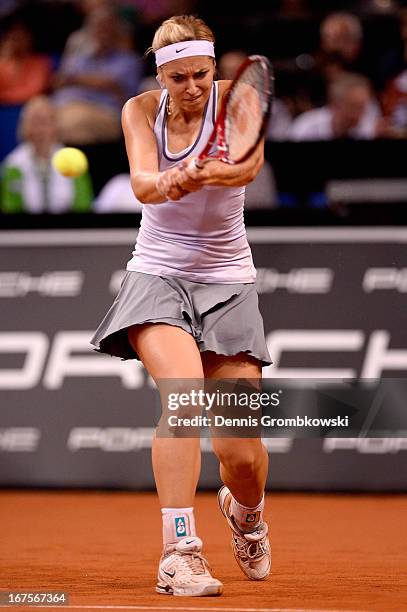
(248, 105)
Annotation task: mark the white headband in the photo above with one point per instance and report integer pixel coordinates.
(186, 48)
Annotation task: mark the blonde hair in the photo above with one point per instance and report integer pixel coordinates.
(179, 29)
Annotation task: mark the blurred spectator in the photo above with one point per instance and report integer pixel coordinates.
(81, 41)
(23, 72)
(339, 51)
(29, 182)
(350, 113)
(117, 197)
(342, 48)
(281, 119)
(92, 85)
(394, 102)
(341, 44)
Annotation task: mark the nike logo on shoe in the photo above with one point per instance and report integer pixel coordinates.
(189, 541)
(179, 50)
(170, 574)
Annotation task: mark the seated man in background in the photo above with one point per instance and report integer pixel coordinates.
(92, 85)
(351, 112)
(340, 50)
(394, 102)
(23, 72)
(341, 45)
(29, 183)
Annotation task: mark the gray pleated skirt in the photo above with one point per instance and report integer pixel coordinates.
(222, 318)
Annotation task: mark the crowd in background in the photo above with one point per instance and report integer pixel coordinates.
(66, 69)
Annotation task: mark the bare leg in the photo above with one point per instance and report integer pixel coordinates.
(243, 461)
(243, 472)
(170, 352)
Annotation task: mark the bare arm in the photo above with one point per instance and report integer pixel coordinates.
(235, 175)
(150, 186)
(222, 174)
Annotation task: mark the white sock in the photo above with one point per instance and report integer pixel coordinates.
(178, 523)
(247, 519)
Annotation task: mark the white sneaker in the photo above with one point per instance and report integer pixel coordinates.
(185, 572)
(252, 550)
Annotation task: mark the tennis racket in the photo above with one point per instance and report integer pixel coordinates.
(244, 114)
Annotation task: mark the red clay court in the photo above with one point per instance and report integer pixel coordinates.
(330, 552)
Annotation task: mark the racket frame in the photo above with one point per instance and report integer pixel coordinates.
(218, 132)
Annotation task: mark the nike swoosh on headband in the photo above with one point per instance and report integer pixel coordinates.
(193, 47)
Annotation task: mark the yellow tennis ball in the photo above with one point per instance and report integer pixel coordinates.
(70, 162)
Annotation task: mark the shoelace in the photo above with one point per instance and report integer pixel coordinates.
(253, 551)
(194, 562)
(249, 551)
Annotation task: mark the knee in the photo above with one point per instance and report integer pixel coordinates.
(239, 462)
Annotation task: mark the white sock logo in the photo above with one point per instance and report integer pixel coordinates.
(180, 527)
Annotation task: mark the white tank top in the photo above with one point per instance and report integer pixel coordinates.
(202, 236)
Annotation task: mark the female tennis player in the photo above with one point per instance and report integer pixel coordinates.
(188, 307)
